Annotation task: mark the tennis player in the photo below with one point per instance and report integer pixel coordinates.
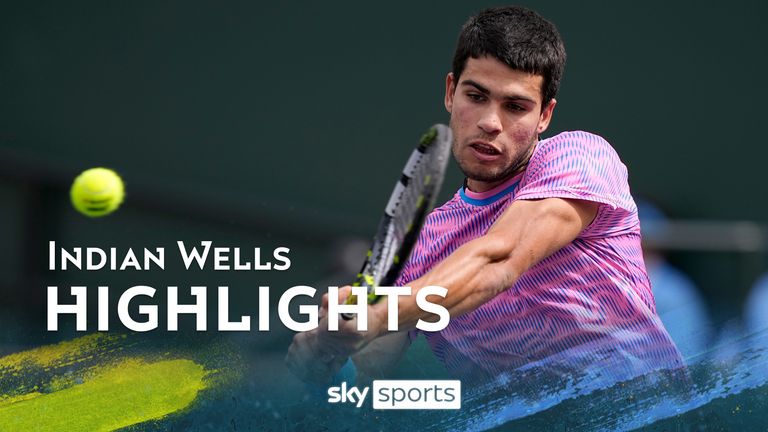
(539, 249)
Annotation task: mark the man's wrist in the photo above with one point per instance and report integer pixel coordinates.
(379, 320)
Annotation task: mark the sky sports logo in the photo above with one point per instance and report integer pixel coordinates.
(401, 394)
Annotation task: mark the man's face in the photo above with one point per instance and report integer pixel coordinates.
(496, 118)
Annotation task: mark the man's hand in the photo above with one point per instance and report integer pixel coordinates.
(316, 356)
(309, 361)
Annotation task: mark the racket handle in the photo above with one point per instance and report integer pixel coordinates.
(362, 279)
(372, 298)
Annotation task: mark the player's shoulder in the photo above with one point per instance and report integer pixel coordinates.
(571, 144)
(453, 203)
(442, 216)
(576, 139)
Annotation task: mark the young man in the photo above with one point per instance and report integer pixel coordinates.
(539, 250)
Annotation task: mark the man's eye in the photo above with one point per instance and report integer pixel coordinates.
(476, 97)
(515, 107)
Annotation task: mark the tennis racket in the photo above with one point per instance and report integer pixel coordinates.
(411, 200)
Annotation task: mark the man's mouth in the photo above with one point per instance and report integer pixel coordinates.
(486, 149)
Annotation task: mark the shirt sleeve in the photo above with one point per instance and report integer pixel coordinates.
(580, 165)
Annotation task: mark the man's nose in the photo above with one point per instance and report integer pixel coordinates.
(490, 122)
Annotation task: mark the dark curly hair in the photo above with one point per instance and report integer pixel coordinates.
(518, 37)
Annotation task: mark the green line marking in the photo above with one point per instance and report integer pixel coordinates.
(61, 354)
(91, 384)
(114, 396)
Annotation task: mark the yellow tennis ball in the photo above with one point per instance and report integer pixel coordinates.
(97, 192)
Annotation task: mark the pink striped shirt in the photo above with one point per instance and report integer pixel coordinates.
(588, 304)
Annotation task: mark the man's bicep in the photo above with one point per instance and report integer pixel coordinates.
(535, 229)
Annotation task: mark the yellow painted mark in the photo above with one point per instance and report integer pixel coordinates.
(60, 354)
(7, 400)
(111, 397)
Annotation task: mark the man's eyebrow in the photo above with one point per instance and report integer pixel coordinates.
(485, 91)
(476, 85)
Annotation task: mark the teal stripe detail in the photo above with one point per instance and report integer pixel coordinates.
(491, 199)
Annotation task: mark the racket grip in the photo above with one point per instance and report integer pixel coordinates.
(352, 299)
(362, 279)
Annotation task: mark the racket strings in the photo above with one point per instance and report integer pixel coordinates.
(413, 196)
(406, 207)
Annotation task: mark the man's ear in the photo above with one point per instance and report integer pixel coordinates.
(546, 116)
(450, 89)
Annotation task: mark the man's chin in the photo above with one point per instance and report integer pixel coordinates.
(487, 179)
(483, 174)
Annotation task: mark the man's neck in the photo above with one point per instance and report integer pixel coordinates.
(479, 186)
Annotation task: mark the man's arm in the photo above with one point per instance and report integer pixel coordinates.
(526, 233)
(314, 360)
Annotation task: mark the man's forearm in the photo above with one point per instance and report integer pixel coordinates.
(473, 274)
(480, 269)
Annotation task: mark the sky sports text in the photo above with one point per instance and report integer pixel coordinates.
(401, 394)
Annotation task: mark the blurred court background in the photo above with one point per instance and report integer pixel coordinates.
(266, 124)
